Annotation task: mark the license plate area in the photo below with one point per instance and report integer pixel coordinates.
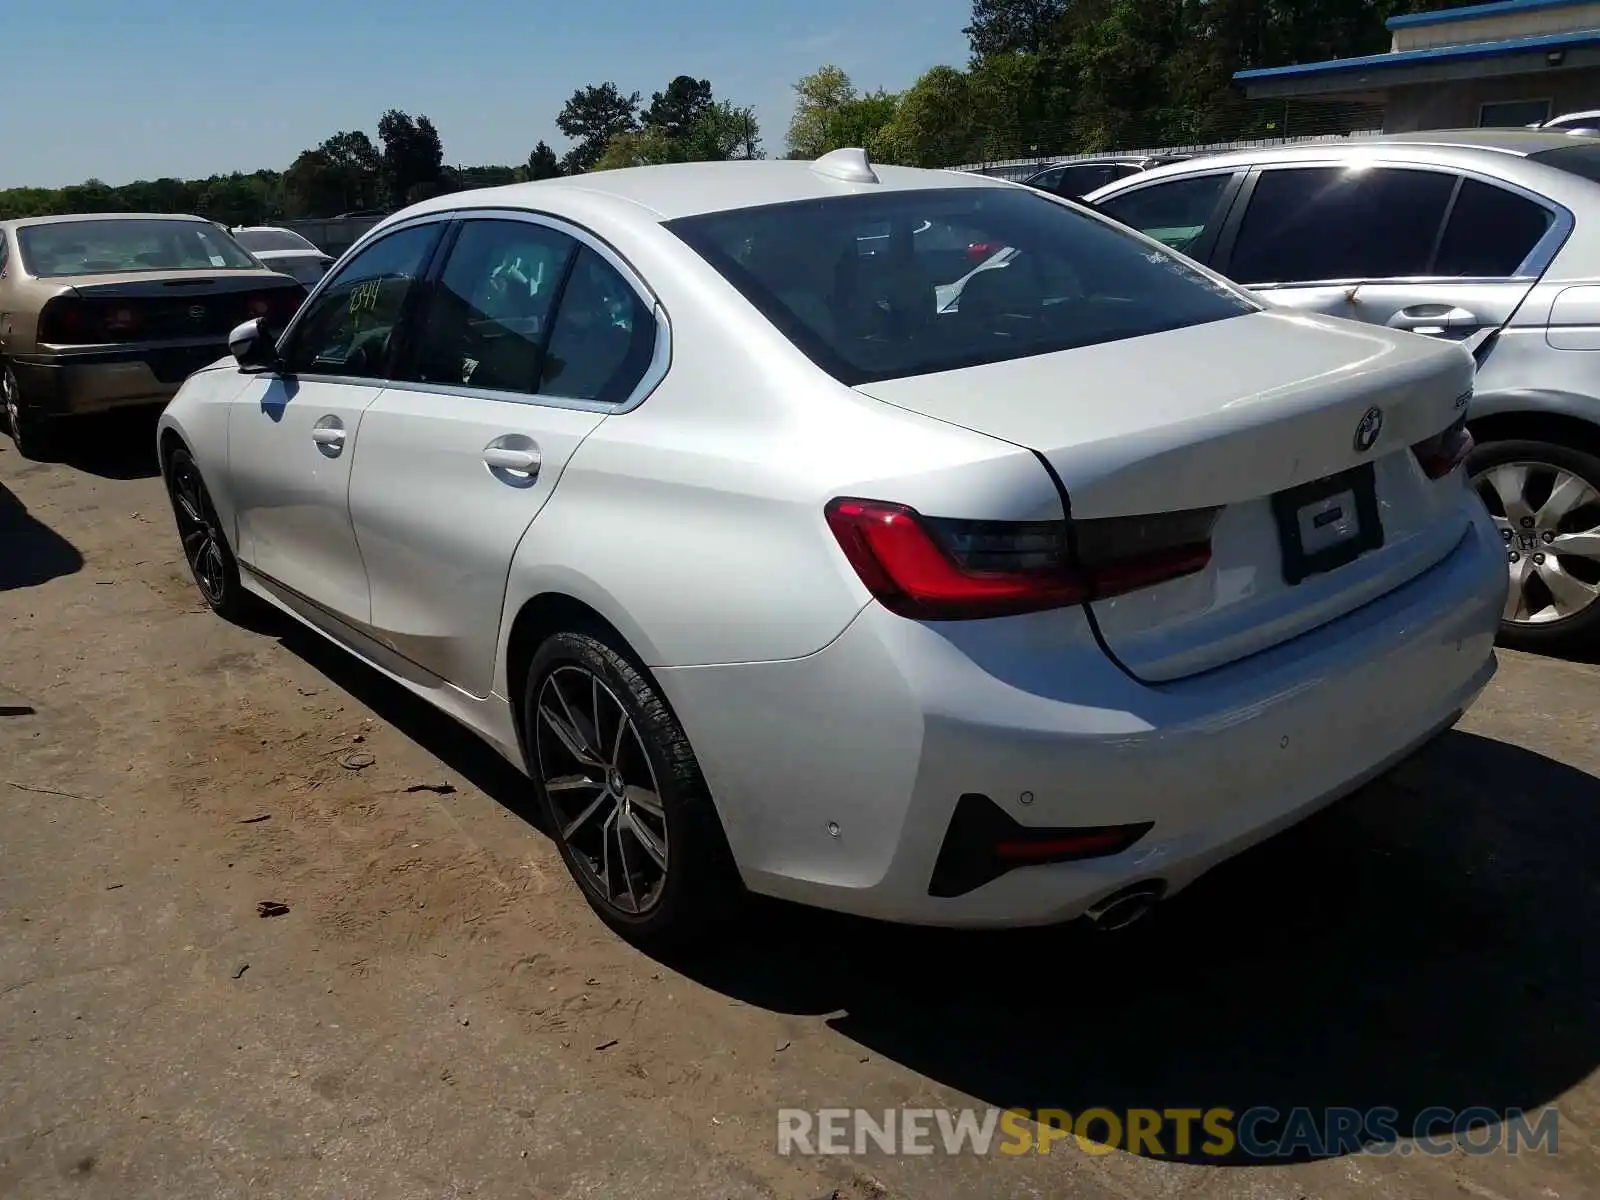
(1324, 524)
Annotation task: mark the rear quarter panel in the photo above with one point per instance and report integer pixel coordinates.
(694, 523)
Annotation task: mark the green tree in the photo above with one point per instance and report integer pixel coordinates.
(934, 125)
(724, 130)
(858, 122)
(1012, 26)
(592, 117)
(413, 156)
(543, 163)
(819, 97)
(677, 110)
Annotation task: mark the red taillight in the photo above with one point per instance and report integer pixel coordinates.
(63, 320)
(259, 306)
(977, 252)
(943, 569)
(1444, 451)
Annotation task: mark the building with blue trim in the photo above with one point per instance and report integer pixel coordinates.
(1508, 63)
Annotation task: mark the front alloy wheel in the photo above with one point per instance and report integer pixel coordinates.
(1545, 502)
(602, 789)
(205, 548)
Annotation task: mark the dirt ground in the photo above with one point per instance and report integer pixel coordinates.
(439, 1015)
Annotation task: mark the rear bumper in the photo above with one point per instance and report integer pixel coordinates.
(74, 384)
(837, 775)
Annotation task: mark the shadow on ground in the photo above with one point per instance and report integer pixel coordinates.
(31, 552)
(116, 445)
(1427, 943)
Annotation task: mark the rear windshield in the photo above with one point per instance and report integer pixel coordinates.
(909, 282)
(271, 239)
(1582, 159)
(113, 247)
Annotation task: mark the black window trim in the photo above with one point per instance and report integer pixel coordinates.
(1227, 200)
(661, 359)
(1534, 265)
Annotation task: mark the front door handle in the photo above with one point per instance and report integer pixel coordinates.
(329, 434)
(503, 459)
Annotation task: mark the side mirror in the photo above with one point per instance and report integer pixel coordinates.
(253, 347)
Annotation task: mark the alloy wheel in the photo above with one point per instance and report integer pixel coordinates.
(1549, 520)
(13, 400)
(197, 528)
(602, 789)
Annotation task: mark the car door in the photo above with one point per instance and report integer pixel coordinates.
(530, 335)
(292, 433)
(1426, 249)
(1185, 213)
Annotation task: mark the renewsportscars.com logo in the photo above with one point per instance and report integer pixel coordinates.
(1185, 1133)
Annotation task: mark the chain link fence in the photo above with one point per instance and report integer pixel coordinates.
(1014, 153)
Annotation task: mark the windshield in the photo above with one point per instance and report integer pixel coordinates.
(271, 239)
(117, 246)
(913, 282)
(1582, 158)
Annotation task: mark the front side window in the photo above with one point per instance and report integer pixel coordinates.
(1176, 213)
(126, 245)
(349, 328)
(487, 318)
(1317, 224)
(1046, 278)
(603, 337)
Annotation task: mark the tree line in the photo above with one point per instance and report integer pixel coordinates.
(1058, 77)
(1045, 77)
(354, 172)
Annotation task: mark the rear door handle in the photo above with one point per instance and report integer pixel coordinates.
(1435, 319)
(504, 458)
(329, 434)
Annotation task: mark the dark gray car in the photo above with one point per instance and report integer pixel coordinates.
(1079, 177)
(1488, 237)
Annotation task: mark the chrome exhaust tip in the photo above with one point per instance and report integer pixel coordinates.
(1126, 907)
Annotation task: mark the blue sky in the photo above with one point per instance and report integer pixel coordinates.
(120, 91)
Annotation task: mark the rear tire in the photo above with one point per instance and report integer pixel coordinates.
(622, 795)
(205, 546)
(30, 428)
(1540, 494)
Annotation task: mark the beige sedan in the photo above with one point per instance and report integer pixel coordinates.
(112, 310)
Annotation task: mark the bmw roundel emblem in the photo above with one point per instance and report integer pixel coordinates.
(1367, 431)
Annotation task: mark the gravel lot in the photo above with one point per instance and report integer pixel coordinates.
(438, 1014)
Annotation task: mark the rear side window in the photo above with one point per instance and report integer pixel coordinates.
(1177, 213)
(1312, 224)
(603, 338)
(1080, 181)
(1491, 231)
(964, 276)
(487, 318)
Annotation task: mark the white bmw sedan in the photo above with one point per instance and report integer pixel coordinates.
(676, 485)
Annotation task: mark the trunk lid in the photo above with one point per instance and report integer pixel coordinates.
(1230, 414)
(160, 306)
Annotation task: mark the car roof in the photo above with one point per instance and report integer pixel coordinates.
(68, 218)
(673, 190)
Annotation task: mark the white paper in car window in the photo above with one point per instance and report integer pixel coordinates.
(218, 261)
